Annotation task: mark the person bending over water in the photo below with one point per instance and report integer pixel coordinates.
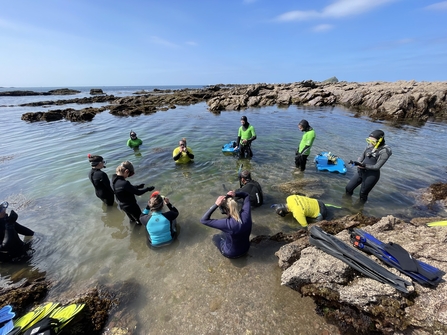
(100, 180)
(161, 227)
(125, 192)
(236, 227)
(302, 208)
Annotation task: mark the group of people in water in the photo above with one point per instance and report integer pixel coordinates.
(159, 216)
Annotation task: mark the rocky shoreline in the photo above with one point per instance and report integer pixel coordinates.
(402, 101)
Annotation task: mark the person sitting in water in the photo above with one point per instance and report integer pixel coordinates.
(252, 188)
(183, 153)
(11, 245)
(236, 226)
(134, 142)
(161, 227)
(302, 208)
(125, 192)
(100, 180)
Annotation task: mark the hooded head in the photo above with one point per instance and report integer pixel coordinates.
(133, 135)
(246, 175)
(304, 125)
(3, 206)
(379, 136)
(95, 160)
(244, 122)
(280, 209)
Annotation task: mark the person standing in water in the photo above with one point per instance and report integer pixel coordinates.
(125, 192)
(100, 180)
(245, 136)
(306, 143)
(183, 153)
(368, 165)
(134, 142)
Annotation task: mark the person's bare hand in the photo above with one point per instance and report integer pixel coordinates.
(219, 200)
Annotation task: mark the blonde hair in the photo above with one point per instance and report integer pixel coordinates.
(126, 165)
(232, 208)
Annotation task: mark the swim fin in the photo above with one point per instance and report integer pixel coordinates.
(35, 315)
(65, 314)
(337, 248)
(6, 314)
(437, 223)
(7, 327)
(396, 256)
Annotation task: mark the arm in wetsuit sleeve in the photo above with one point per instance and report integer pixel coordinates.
(132, 189)
(384, 154)
(172, 214)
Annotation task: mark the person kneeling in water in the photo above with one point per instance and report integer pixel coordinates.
(11, 245)
(302, 208)
(161, 227)
(236, 226)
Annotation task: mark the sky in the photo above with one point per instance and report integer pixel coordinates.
(55, 43)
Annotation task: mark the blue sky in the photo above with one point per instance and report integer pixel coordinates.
(189, 42)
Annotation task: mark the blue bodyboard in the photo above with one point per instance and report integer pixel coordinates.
(323, 164)
(229, 148)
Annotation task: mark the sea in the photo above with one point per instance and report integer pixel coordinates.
(189, 287)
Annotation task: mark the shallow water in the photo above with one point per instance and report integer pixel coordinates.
(189, 287)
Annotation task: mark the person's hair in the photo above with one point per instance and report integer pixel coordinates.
(94, 159)
(183, 140)
(155, 202)
(232, 208)
(126, 165)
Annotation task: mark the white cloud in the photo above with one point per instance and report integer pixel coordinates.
(166, 43)
(438, 6)
(338, 9)
(322, 28)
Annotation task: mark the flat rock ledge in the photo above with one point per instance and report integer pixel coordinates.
(361, 305)
(395, 101)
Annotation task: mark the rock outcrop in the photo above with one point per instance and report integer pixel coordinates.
(59, 91)
(397, 101)
(362, 305)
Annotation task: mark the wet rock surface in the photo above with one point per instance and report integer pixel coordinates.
(18, 93)
(362, 305)
(396, 101)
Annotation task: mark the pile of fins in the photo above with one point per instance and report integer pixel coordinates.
(394, 255)
(48, 317)
(357, 260)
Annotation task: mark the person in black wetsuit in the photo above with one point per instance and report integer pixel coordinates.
(125, 192)
(368, 165)
(100, 180)
(252, 188)
(11, 245)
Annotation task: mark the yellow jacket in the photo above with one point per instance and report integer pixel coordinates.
(302, 207)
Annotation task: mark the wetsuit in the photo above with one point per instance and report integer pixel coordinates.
(134, 143)
(236, 240)
(373, 160)
(246, 133)
(11, 246)
(183, 157)
(303, 207)
(303, 151)
(160, 227)
(125, 194)
(101, 183)
(255, 192)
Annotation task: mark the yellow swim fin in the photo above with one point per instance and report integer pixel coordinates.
(65, 314)
(437, 223)
(35, 315)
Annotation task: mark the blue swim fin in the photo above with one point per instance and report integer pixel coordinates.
(396, 256)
